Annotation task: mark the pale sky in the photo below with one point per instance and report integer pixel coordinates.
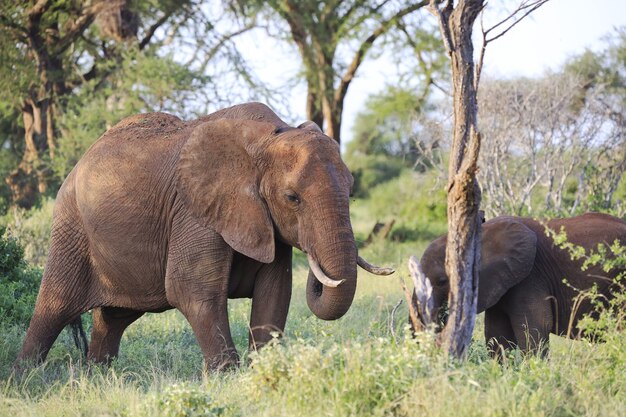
(553, 33)
(558, 30)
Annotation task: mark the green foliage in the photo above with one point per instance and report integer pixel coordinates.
(371, 170)
(608, 316)
(385, 126)
(605, 69)
(416, 201)
(389, 135)
(185, 400)
(19, 283)
(32, 229)
(143, 82)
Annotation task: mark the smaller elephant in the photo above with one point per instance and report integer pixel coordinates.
(521, 278)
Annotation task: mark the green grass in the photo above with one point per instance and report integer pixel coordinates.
(355, 366)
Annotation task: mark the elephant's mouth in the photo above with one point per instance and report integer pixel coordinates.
(442, 316)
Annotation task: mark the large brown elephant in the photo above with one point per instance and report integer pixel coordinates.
(161, 213)
(521, 288)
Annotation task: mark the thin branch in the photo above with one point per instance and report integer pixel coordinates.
(152, 29)
(392, 324)
(413, 315)
(348, 76)
(531, 6)
(78, 26)
(223, 41)
(5, 21)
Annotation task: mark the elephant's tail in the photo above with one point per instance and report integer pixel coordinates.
(78, 333)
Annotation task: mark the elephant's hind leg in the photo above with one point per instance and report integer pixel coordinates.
(64, 293)
(109, 324)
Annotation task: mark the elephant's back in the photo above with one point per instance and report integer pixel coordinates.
(137, 136)
(590, 229)
(131, 160)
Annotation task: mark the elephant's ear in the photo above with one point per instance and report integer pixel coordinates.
(507, 257)
(219, 184)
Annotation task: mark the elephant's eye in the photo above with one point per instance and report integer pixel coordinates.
(293, 197)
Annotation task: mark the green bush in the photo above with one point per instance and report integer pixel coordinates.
(19, 283)
(32, 229)
(414, 200)
(608, 316)
(372, 170)
(184, 400)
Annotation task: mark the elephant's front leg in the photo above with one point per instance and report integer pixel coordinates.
(499, 334)
(530, 311)
(271, 297)
(198, 268)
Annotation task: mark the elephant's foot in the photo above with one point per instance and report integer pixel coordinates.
(222, 362)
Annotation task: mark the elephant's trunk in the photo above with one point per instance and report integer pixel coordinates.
(338, 262)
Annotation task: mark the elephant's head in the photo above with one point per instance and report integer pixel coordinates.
(507, 256)
(254, 179)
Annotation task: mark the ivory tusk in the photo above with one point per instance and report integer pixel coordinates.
(320, 275)
(377, 270)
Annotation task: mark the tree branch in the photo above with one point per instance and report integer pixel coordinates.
(223, 40)
(524, 5)
(78, 26)
(348, 76)
(152, 29)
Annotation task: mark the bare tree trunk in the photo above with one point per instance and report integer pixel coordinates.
(463, 244)
(312, 108)
(29, 179)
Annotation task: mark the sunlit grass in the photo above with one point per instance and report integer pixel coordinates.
(328, 374)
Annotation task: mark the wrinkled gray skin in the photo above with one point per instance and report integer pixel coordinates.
(161, 213)
(521, 287)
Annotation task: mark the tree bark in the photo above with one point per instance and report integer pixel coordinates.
(464, 223)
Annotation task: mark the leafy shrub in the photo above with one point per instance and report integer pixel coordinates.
(186, 400)
(608, 317)
(32, 229)
(19, 282)
(371, 170)
(611, 314)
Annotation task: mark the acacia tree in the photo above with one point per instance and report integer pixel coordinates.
(54, 51)
(333, 38)
(50, 49)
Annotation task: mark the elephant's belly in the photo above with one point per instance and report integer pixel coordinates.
(129, 269)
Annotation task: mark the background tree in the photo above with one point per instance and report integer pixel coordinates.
(333, 37)
(60, 58)
(557, 143)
